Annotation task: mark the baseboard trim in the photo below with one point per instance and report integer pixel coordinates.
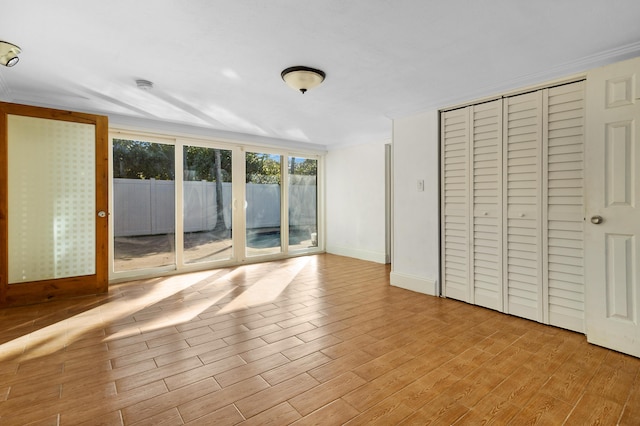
(371, 256)
(413, 283)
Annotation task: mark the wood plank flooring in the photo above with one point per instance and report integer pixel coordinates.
(312, 340)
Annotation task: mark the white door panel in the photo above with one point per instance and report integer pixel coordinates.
(612, 249)
(486, 199)
(522, 206)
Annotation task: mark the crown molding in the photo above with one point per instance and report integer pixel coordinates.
(563, 70)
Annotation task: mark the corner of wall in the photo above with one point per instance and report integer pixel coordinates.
(413, 283)
(416, 216)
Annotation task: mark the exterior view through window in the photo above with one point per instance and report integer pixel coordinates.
(207, 204)
(264, 192)
(303, 203)
(143, 205)
(175, 204)
(263, 203)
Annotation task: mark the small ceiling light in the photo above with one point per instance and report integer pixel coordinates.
(144, 84)
(9, 54)
(302, 78)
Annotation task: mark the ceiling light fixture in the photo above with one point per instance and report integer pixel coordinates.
(302, 78)
(144, 84)
(9, 53)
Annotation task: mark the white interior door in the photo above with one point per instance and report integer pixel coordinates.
(612, 230)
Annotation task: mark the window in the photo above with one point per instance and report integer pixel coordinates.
(177, 202)
(206, 194)
(303, 203)
(263, 195)
(143, 205)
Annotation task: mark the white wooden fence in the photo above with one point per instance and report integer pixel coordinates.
(147, 207)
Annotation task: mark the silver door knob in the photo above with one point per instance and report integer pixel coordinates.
(597, 220)
(102, 213)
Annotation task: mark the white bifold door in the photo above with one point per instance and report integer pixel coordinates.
(472, 196)
(512, 205)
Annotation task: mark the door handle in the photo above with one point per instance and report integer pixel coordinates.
(102, 213)
(597, 220)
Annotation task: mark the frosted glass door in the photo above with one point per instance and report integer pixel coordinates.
(51, 199)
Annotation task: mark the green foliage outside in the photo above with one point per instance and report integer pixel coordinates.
(146, 160)
(262, 168)
(143, 160)
(199, 164)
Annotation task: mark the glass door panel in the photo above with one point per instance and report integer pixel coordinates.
(207, 204)
(303, 201)
(150, 234)
(263, 200)
(144, 204)
(52, 199)
(53, 204)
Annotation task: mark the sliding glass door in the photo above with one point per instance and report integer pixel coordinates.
(176, 203)
(263, 199)
(143, 205)
(207, 195)
(303, 203)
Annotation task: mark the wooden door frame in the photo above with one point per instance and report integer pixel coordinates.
(39, 291)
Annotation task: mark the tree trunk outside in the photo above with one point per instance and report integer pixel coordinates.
(220, 225)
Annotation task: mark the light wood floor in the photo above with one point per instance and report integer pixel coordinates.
(312, 340)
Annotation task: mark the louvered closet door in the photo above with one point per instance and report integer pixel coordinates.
(486, 210)
(513, 205)
(455, 204)
(522, 207)
(563, 234)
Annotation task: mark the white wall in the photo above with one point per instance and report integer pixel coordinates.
(415, 258)
(355, 202)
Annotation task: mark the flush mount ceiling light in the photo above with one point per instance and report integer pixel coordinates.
(144, 84)
(9, 54)
(302, 78)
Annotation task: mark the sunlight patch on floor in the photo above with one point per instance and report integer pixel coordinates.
(267, 288)
(143, 303)
(163, 290)
(56, 337)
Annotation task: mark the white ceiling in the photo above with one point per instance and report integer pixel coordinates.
(216, 64)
